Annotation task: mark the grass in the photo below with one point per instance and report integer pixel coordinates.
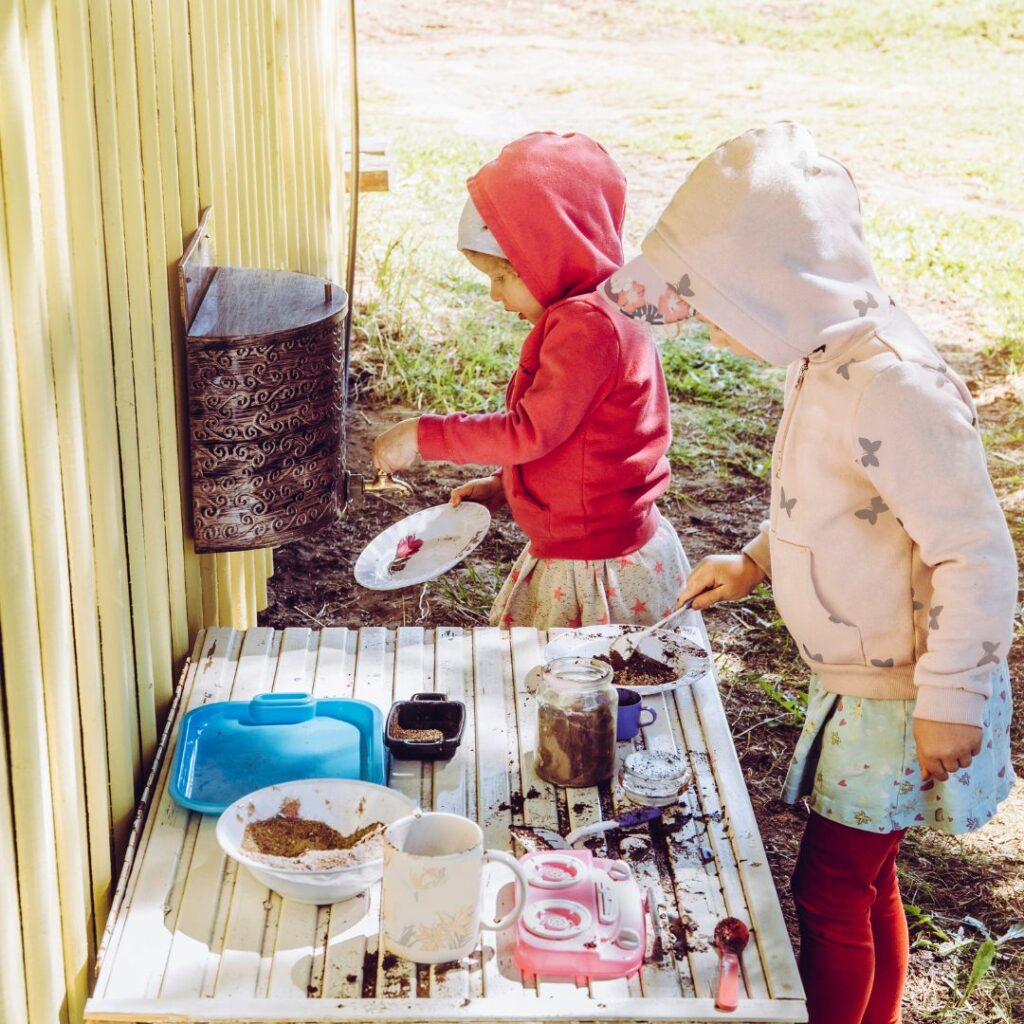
(979, 259)
(464, 592)
(726, 409)
(974, 947)
(902, 25)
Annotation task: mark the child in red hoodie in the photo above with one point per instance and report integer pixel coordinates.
(582, 442)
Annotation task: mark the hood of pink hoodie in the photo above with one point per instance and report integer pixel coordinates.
(555, 204)
(764, 238)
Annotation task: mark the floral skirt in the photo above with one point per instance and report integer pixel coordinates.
(641, 587)
(856, 760)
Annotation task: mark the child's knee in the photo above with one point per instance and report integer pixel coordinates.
(839, 868)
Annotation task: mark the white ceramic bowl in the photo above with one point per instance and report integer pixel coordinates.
(344, 804)
(688, 659)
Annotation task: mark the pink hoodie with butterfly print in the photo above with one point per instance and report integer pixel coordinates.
(888, 553)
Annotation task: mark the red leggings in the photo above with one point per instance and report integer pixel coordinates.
(853, 932)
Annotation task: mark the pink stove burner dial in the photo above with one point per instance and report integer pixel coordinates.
(557, 919)
(555, 872)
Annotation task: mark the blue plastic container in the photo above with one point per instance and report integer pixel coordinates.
(231, 748)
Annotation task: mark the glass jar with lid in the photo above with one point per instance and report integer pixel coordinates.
(576, 711)
(654, 778)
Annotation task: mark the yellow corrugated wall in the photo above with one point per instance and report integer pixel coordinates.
(119, 121)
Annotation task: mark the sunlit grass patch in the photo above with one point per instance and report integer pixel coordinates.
(980, 257)
(880, 24)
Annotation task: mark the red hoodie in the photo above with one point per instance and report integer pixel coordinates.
(582, 444)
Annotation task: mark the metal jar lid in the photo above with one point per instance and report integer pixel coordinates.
(655, 778)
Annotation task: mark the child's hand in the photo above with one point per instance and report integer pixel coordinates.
(724, 577)
(485, 489)
(397, 447)
(943, 747)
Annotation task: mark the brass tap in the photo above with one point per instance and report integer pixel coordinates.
(387, 482)
(356, 484)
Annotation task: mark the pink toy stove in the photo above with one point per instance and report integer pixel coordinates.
(584, 916)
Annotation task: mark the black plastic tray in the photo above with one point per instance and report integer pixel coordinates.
(426, 711)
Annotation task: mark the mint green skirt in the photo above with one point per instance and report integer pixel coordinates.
(856, 762)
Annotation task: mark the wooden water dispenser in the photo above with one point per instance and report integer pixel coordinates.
(266, 391)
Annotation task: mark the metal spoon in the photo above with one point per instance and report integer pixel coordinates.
(731, 937)
(625, 646)
(533, 837)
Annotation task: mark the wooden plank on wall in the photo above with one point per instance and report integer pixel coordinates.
(160, 257)
(13, 996)
(31, 801)
(142, 371)
(114, 248)
(274, 201)
(89, 300)
(216, 606)
(85, 715)
(24, 104)
(179, 200)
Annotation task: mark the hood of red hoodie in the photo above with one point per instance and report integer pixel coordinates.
(555, 204)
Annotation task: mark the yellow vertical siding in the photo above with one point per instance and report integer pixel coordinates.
(120, 121)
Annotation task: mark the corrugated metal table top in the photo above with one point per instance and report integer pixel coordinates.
(195, 938)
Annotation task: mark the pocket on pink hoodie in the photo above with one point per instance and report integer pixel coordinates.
(821, 633)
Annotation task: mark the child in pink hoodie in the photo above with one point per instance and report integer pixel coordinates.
(581, 446)
(886, 548)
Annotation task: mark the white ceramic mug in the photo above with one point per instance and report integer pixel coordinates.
(433, 883)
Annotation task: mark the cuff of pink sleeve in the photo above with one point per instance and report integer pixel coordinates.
(946, 704)
(759, 552)
(430, 438)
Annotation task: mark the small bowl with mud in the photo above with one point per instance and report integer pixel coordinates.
(314, 841)
(663, 660)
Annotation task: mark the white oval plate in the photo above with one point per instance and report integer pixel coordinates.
(689, 659)
(449, 533)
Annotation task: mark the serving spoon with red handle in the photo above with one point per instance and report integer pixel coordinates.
(731, 936)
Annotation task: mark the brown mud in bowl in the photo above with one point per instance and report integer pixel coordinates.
(638, 670)
(293, 837)
(399, 732)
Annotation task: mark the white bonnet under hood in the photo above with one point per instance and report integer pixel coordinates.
(769, 233)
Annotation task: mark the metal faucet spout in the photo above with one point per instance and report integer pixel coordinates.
(383, 482)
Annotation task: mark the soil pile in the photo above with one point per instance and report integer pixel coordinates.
(638, 670)
(311, 844)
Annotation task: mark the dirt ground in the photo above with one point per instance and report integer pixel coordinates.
(313, 585)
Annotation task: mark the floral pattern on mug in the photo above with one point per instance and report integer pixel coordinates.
(427, 879)
(447, 931)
